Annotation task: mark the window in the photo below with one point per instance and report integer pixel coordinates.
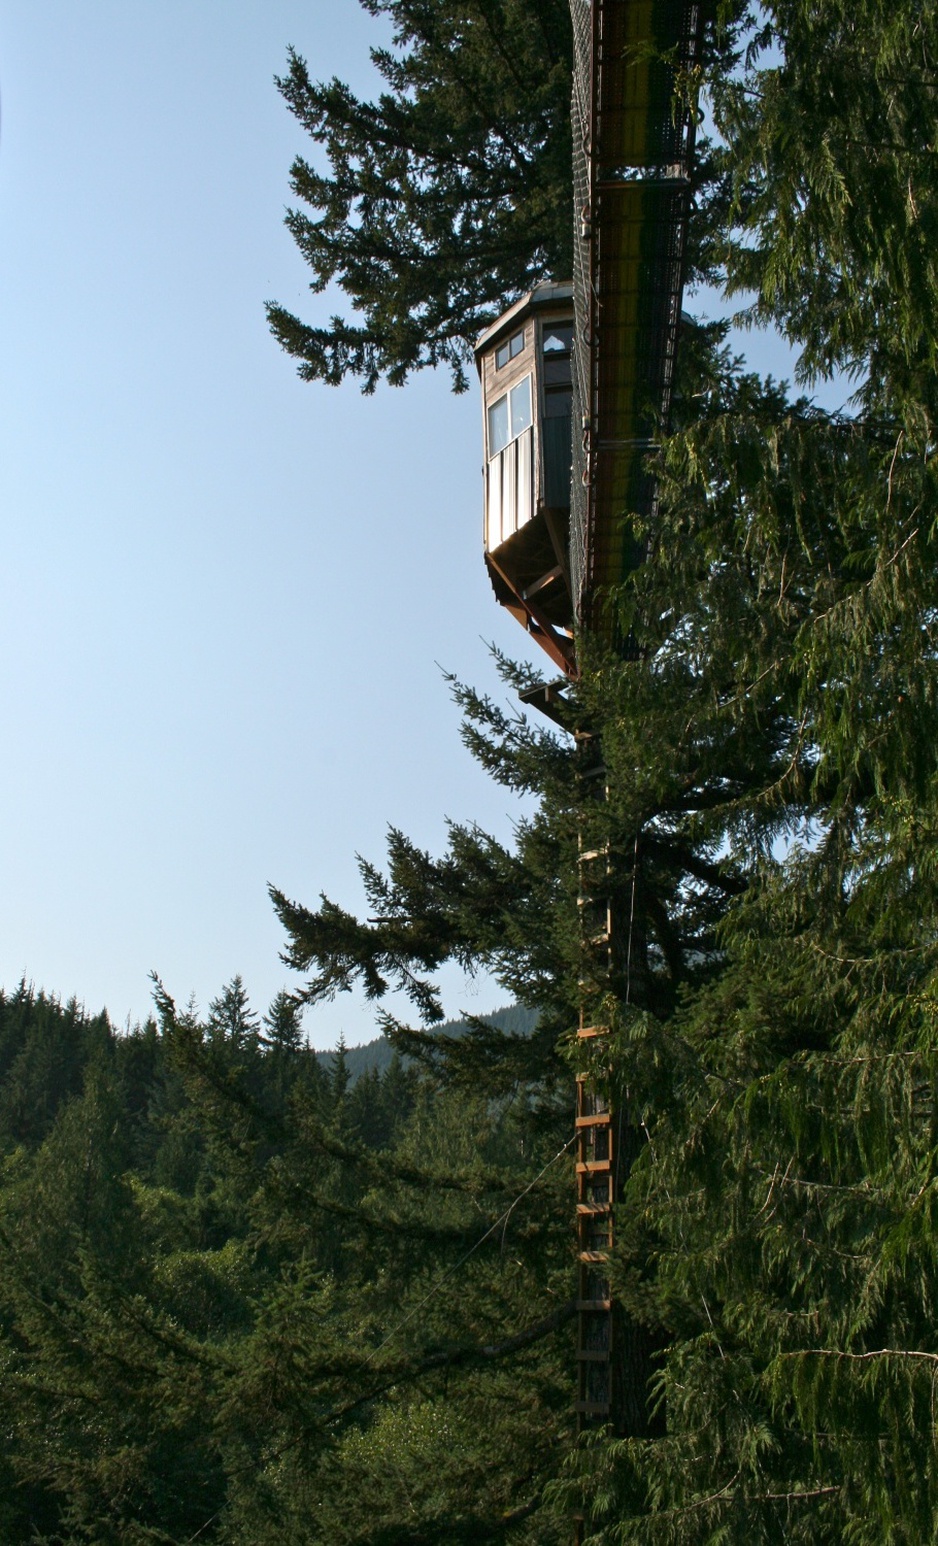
(510, 416)
(499, 433)
(520, 399)
(510, 350)
(559, 339)
(556, 345)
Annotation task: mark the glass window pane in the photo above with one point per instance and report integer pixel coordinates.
(520, 406)
(502, 356)
(558, 340)
(498, 426)
(557, 370)
(517, 344)
(557, 405)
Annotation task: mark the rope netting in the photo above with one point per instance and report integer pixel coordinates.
(633, 141)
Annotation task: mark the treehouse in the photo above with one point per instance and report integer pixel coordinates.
(524, 362)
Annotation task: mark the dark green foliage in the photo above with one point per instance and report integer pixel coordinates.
(444, 199)
(231, 1019)
(43, 1052)
(830, 138)
(283, 1025)
(245, 1300)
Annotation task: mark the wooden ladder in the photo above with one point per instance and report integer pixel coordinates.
(595, 1150)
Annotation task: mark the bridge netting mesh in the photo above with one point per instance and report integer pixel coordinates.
(633, 143)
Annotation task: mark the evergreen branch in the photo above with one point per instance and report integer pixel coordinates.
(370, 1222)
(384, 1168)
(468, 1356)
(798, 1494)
(841, 1355)
(467, 1530)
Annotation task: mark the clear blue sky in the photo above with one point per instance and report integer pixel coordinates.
(224, 592)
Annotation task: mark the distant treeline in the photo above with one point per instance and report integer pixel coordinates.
(46, 1047)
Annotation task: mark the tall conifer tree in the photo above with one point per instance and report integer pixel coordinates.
(772, 763)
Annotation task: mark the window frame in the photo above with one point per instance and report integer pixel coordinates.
(511, 348)
(505, 397)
